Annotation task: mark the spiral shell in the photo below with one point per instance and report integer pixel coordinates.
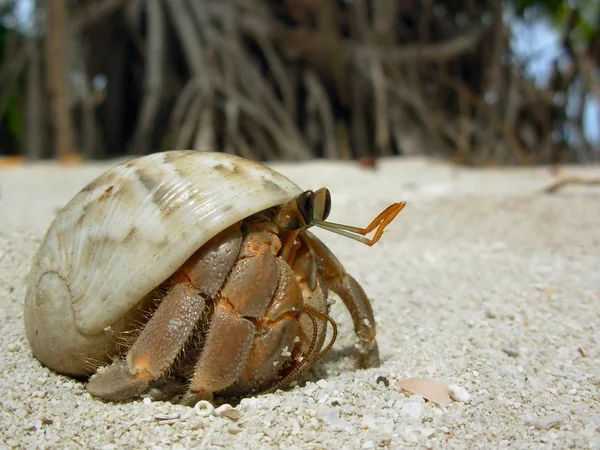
(124, 234)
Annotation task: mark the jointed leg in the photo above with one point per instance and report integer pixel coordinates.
(240, 309)
(154, 350)
(315, 293)
(355, 299)
(171, 325)
(273, 344)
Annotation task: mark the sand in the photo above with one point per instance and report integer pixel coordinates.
(483, 283)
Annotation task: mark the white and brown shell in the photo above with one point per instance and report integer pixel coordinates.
(123, 235)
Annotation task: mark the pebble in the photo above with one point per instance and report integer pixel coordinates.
(295, 427)
(382, 379)
(234, 429)
(458, 393)
(408, 435)
(547, 422)
(248, 402)
(12, 347)
(274, 402)
(428, 431)
(322, 384)
(171, 416)
(368, 423)
(332, 418)
(156, 394)
(412, 410)
(511, 350)
(228, 411)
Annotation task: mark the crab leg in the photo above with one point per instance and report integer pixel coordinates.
(273, 343)
(174, 321)
(353, 296)
(239, 310)
(154, 350)
(314, 291)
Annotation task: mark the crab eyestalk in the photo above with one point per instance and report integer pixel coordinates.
(321, 204)
(312, 208)
(359, 234)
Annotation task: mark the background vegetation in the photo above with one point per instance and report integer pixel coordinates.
(297, 79)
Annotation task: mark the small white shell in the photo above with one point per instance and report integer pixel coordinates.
(123, 235)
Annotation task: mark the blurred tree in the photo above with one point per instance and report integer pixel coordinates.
(57, 49)
(11, 124)
(580, 19)
(296, 79)
(576, 75)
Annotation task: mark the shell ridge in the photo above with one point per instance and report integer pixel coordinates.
(194, 210)
(142, 178)
(73, 260)
(173, 191)
(144, 244)
(147, 215)
(98, 233)
(102, 256)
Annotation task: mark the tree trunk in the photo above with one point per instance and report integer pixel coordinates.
(58, 77)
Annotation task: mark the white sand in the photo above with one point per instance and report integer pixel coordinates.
(481, 282)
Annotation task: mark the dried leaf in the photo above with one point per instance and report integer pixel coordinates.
(431, 390)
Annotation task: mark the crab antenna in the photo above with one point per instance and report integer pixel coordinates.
(358, 234)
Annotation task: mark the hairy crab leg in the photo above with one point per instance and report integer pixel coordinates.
(273, 344)
(314, 296)
(243, 301)
(172, 324)
(154, 350)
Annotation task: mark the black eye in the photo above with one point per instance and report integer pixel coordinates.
(327, 205)
(305, 204)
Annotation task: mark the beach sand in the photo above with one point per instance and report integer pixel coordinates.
(483, 282)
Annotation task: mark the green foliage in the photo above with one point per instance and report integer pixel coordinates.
(589, 18)
(581, 16)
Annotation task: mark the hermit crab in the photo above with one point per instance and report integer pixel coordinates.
(197, 266)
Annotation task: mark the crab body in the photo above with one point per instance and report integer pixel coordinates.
(189, 264)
